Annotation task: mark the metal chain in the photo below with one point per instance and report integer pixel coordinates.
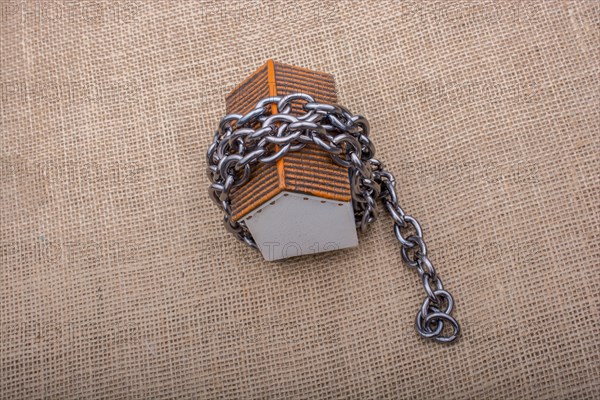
(260, 136)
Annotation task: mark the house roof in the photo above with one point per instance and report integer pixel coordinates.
(309, 170)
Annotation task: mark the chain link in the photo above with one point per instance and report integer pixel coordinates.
(242, 141)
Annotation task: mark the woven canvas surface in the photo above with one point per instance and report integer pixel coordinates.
(118, 280)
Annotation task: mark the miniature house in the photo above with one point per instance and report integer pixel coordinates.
(300, 204)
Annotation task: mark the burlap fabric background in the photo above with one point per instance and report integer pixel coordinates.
(119, 281)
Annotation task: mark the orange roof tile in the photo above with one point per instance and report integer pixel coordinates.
(309, 170)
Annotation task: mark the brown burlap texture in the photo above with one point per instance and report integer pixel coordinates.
(118, 279)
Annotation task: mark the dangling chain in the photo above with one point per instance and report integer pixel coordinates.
(260, 136)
